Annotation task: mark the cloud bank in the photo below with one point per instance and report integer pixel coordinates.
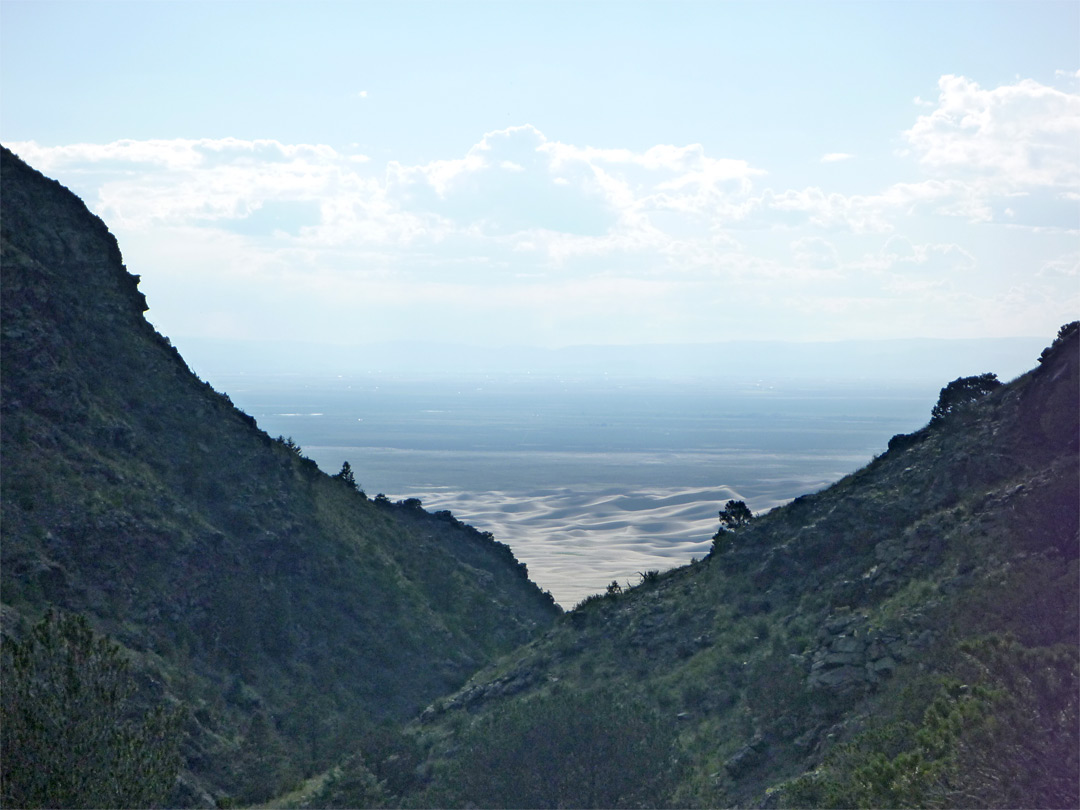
(530, 239)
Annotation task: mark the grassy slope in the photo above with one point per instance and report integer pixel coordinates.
(906, 636)
(288, 611)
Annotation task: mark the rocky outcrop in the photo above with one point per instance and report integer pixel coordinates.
(852, 655)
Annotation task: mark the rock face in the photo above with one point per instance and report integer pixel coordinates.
(244, 581)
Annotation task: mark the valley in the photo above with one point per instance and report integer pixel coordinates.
(903, 631)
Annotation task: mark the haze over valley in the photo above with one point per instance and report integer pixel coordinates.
(588, 480)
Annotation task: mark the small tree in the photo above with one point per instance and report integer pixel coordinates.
(347, 476)
(1064, 333)
(961, 393)
(291, 445)
(735, 515)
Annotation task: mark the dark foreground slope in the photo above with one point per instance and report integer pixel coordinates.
(906, 637)
(284, 609)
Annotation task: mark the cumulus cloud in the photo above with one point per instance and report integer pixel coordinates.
(553, 241)
(518, 180)
(1018, 135)
(176, 182)
(835, 157)
(507, 184)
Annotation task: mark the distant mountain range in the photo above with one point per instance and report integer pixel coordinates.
(918, 360)
(909, 636)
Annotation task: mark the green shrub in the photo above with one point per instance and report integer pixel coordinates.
(565, 749)
(71, 733)
(961, 393)
(1006, 738)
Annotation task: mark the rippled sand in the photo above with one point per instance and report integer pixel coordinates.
(576, 542)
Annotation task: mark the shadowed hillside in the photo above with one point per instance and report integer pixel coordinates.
(906, 637)
(280, 608)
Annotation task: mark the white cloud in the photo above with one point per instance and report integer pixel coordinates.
(835, 157)
(815, 253)
(901, 255)
(1067, 266)
(1013, 136)
(176, 154)
(538, 240)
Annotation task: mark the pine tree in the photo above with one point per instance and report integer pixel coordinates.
(347, 476)
(72, 733)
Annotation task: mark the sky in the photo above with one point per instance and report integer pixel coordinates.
(556, 174)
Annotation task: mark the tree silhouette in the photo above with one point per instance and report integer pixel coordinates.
(961, 392)
(347, 476)
(735, 515)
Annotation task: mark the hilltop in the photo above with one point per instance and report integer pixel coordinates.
(283, 610)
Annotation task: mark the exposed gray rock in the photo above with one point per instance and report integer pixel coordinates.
(851, 655)
(747, 757)
(884, 665)
(847, 644)
(840, 676)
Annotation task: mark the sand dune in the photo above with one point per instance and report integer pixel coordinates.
(594, 480)
(577, 541)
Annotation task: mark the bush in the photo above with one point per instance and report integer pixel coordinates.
(961, 393)
(1005, 737)
(71, 735)
(902, 441)
(1064, 333)
(565, 749)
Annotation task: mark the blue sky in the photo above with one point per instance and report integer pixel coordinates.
(564, 173)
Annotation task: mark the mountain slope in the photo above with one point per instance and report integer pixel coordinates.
(287, 611)
(906, 637)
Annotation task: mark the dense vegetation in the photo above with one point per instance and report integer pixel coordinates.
(70, 733)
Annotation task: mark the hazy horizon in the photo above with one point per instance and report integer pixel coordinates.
(930, 361)
(587, 479)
